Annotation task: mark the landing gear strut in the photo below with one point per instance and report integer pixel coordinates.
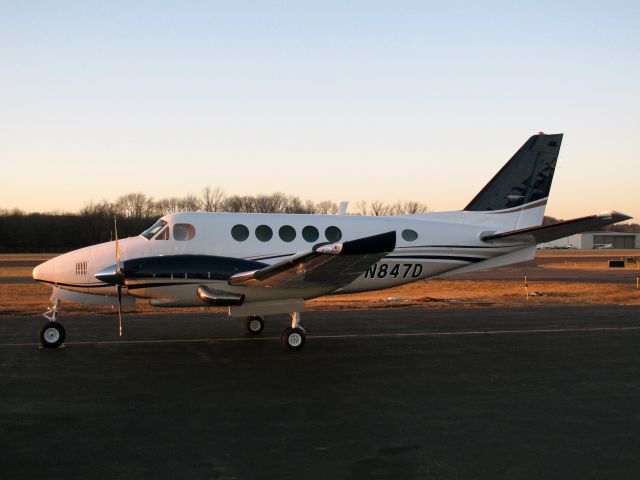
(52, 333)
(253, 325)
(293, 337)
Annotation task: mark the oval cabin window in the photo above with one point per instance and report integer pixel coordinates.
(287, 233)
(310, 233)
(409, 235)
(240, 233)
(264, 233)
(183, 231)
(333, 234)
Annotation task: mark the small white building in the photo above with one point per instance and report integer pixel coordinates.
(596, 240)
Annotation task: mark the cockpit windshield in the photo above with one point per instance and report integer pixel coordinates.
(153, 229)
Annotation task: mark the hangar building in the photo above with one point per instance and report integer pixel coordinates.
(591, 240)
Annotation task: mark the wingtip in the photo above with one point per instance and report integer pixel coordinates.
(615, 216)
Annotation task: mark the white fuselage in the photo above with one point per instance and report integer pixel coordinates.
(427, 245)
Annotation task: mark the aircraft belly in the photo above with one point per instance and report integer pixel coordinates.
(185, 294)
(93, 298)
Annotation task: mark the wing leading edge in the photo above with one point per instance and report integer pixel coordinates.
(327, 267)
(558, 230)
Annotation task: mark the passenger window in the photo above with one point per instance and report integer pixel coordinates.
(310, 234)
(183, 232)
(333, 234)
(287, 233)
(163, 235)
(409, 235)
(240, 233)
(264, 233)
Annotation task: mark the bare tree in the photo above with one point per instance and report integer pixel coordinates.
(327, 207)
(102, 209)
(189, 203)
(248, 204)
(378, 208)
(280, 202)
(236, 203)
(411, 208)
(133, 205)
(263, 204)
(274, 203)
(232, 204)
(295, 205)
(361, 207)
(166, 206)
(212, 199)
(310, 207)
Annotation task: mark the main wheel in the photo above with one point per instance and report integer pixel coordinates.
(253, 325)
(52, 335)
(292, 339)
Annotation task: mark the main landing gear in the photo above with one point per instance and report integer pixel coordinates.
(253, 325)
(52, 333)
(293, 337)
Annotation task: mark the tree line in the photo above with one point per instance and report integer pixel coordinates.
(94, 223)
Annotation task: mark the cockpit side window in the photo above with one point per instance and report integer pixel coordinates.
(163, 235)
(153, 229)
(183, 231)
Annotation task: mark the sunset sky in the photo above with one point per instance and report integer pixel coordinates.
(324, 100)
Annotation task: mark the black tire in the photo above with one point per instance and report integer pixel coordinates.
(292, 339)
(52, 335)
(253, 325)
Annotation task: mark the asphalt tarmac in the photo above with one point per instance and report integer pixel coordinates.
(400, 393)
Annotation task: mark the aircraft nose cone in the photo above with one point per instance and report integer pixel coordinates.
(108, 275)
(44, 272)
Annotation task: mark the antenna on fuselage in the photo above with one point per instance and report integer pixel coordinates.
(342, 209)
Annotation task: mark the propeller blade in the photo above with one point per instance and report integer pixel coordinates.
(115, 229)
(119, 311)
(119, 276)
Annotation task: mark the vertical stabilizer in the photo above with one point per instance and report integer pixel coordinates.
(522, 186)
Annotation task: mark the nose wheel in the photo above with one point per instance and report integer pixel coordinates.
(52, 333)
(293, 337)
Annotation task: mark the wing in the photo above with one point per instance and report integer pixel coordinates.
(326, 267)
(547, 233)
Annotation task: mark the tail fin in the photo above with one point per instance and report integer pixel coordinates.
(525, 179)
(523, 183)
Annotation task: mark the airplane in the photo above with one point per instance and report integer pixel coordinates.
(264, 264)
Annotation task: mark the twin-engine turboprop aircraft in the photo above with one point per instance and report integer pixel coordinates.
(261, 264)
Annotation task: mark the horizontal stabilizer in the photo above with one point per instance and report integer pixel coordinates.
(563, 229)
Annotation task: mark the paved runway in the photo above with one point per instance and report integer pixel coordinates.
(404, 393)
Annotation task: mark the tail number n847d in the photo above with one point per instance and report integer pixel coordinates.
(404, 270)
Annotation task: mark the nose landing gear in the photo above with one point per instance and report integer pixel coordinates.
(52, 333)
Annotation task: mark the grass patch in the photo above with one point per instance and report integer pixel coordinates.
(32, 298)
